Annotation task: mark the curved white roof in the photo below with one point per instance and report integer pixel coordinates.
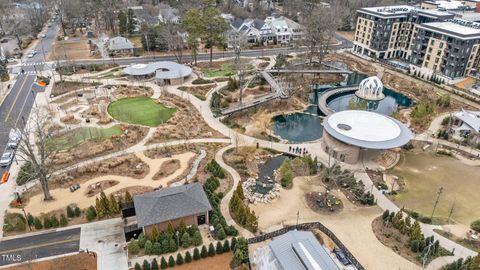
(470, 118)
(162, 70)
(367, 129)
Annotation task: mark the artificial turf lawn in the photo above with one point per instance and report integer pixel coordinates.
(141, 111)
(82, 134)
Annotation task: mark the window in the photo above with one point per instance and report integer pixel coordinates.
(432, 42)
(436, 60)
(439, 53)
(428, 57)
(430, 50)
(441, 45)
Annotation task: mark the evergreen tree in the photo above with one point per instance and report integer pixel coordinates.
(142, 240)
(70, 213)
(204, 252)
(137, 266)
(211, 250)
(54, 221)
(146, 265)
(148, 247)
(105, 205)
(163, 263)
(385, 215)
(182, 227)
(170, 229)
(171, 261)
(99, 209)
(416, 232)
(226, 246)
(179, 259)
(47, 224)
(133, 247)
(128, 197)
(185, 240)
(238, 257)
(219, 248)
(63, 220)
(37, 223)
(196, 254)
(154, 263)
(197, 239)
(77, 211)
(113, 205)
(155, 236)
(122, 25)
(157, 248)
(172, 245)
(233, 244)
(30, 219)
(91, 213)
(221, 234)
(165, 246)
(130, 21)
(188, 257)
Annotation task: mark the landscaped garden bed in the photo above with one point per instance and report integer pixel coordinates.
(63, 87)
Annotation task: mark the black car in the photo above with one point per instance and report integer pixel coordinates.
(341, 256)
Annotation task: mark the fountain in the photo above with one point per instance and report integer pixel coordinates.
(370, 88)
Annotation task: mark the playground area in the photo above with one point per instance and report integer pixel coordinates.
(424, 173)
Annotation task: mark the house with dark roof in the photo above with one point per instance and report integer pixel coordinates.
(187, 203)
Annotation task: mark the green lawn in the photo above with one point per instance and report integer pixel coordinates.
(224, 71)
(141, 111)
(82, 134)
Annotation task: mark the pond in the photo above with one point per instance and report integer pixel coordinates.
(266, 178)
(307, 126)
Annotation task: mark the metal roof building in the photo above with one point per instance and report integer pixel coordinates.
(295, 250)
(162, 70)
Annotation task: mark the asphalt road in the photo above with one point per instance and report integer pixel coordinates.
(39, 246)
(19, 101)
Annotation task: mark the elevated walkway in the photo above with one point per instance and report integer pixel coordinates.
(314, 71)
(322, 100)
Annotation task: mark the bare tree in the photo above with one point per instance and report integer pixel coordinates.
(35, 147)
(175, 41)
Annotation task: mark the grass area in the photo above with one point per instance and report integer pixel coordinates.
(73, 262)
(223, 71)
(471, 244)
(83, 134)
(140, 110)
(424, 173)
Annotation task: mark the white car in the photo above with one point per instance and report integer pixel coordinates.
(43, 35)
(6, 158)
(11, 60)
(14, 138)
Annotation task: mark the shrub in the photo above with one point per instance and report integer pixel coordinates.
(196, 254)
(146, 265)
(171, 261)
(172, 246)
(20, 225)
(133, 247)
(37, 223)
(163, 263)
(25, 173)
(54, 221)
(226, 246)
(47, 224)
(148, 247)
(475, 225)
(63, 220)
(211, 250)
(137, 266)
(201, 81)
(157, 248)
(154, 263)
(197, 238)
(188, 257)
(219, 248)
(185, 240)
(30, 219)
(179, 259)
(141, 240)
(91, 213)
(70, 212)
(204, 252)
(221, 234)
(77, 212)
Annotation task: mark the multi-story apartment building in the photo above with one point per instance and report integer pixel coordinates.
(430, 40)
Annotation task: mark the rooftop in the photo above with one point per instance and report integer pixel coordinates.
(170, 203)
(162, 70)
(388, 11)
(120, 43)
(455, 28)
(300, 250)
(367, 129)
(470, 118)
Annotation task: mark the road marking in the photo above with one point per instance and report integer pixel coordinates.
(41, 245)
(16, 98)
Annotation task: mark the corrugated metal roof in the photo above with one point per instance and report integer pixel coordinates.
(300, 250)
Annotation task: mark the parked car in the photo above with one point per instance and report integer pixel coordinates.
(11, 60)
(4, 40)
(341, 256)
(43, 35)
(14, 138)
(6, 158)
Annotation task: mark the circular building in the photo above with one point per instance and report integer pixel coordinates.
(164, 72)
(347, 132)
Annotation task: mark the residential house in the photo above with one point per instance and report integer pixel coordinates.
(168, 14)
(120, 46)
(187, 203)
(294, 250)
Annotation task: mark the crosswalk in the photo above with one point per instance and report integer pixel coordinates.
(33, 64)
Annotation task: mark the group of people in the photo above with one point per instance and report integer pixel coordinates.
(298, 150)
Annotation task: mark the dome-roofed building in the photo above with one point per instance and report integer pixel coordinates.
(347, 132)
(370, 88)
(164, 72)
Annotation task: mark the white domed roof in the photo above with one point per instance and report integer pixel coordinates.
(371, 87)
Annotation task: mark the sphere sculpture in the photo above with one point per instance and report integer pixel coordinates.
(370, 88)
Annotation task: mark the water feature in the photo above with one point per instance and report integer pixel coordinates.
(306, 126)
(266, 178)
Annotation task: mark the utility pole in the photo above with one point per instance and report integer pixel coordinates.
(439, 192)
(298, 215)
(451, 211)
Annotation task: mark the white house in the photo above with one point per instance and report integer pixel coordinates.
(466, 124)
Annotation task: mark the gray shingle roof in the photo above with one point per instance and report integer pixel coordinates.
(300, 250)
(170, 203)
(120, 43)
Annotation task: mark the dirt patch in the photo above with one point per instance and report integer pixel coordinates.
(124, 91)
(96, 188)
(186, 123)
(377, 178)
(219, 262)
(167, 168)
(134, 190)
(200, 91)
(80, 261)
(74, 48)
(70, 119)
